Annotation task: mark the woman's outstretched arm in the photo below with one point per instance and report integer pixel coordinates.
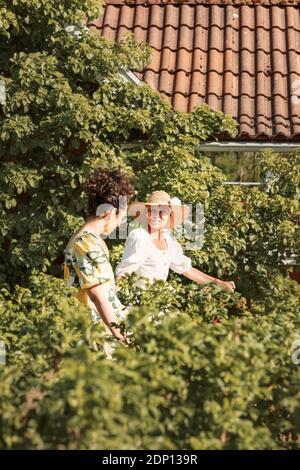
(201, 278)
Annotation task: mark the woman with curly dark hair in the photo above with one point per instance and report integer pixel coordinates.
(86, 264)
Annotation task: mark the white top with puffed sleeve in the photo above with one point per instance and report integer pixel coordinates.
(141, 256)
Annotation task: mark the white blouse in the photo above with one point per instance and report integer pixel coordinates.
(142, 257)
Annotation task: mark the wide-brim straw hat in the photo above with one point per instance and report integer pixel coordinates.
(179, 211)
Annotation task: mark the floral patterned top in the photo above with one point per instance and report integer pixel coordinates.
(86, 265)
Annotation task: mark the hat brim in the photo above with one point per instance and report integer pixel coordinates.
(179, 212)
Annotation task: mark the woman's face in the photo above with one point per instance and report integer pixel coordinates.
(158, 217)
(115, 219)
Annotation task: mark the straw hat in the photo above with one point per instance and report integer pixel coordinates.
(179, 212)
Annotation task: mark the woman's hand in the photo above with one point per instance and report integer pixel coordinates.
(228, 285)
(124, 340)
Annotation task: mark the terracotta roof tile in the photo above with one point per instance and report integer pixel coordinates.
(241, 57)
(201, 2)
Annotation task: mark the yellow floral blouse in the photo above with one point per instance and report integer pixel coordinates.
(86, 265)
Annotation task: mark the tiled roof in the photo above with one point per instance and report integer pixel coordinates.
(241, 57)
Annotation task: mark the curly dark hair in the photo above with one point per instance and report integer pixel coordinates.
(106, 187)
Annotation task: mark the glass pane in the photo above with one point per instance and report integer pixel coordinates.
(237, 166)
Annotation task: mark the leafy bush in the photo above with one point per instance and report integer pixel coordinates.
(206, 368)
(185, 383)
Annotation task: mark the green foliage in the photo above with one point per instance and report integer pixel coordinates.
(185, 382)
(238, 166)
(206, 368)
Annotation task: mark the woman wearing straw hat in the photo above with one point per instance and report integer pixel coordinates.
(151, 251)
